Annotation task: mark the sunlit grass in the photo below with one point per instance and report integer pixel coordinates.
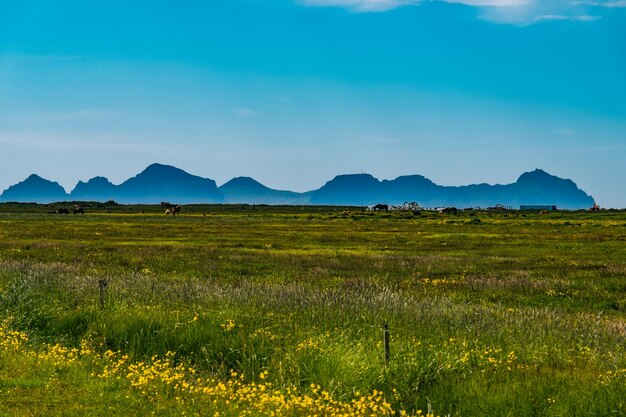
(518, 314)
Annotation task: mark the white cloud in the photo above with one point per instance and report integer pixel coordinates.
(517, 12)
(492, 3)
(609, 4)
(581, 18)
(361, 5)
(384, 5)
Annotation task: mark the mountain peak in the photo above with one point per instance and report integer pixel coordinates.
(34, 188)
(536, 175)
(159, 182)
(97, 188)
(161, 169)
(249, 190)
(243, 182)
(539, 187)
(349, 189)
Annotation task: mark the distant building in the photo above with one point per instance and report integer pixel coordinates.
(538, 207)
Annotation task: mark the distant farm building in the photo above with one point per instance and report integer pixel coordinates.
(538, 207)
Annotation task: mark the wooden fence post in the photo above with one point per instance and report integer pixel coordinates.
(102, 284)
(387, 354)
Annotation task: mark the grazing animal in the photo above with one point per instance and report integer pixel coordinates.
(63, 210)
(173, 209)
(79, 210)
(381, 207)
(450, 210)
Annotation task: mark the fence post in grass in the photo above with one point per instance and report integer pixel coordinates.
(386, 343)
(102, 284)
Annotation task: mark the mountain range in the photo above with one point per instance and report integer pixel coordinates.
(167, 183)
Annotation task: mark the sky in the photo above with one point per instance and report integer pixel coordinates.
(294, 92)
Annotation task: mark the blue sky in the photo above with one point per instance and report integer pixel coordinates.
(294, 92)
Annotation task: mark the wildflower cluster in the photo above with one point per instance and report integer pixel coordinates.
(459, 355)
(163, 377)
(264, 333)
(489, 358)
(228, 326)
(439, 281)
(314, 343)
(616, 375)
(59, 356)
(11, 340)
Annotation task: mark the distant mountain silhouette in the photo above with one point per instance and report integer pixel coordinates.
(248, 190)
(350, 190)
(536, 187)
(167, 183)
(96, 189)
(34, 189)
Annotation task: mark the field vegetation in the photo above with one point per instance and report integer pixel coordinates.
(235, 310)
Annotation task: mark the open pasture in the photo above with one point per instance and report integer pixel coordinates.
(225, 310)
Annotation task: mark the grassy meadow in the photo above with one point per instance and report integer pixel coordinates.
(230, 310)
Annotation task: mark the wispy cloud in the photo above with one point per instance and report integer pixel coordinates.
(244, 112)
(361, 5)
(384, 5)
(67, 116)
(48, 142)
(519, 12)
(581, 18)
(566, 131)
(609, 4)
(9, 57)
(490, 3)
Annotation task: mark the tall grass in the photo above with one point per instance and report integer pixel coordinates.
(510, 315)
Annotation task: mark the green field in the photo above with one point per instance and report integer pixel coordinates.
(230, 310)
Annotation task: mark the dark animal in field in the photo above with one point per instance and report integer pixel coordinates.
(63, 210)
(381, 207)
(172, 209)
(450, 210)
(79, 210)
(101, 206)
